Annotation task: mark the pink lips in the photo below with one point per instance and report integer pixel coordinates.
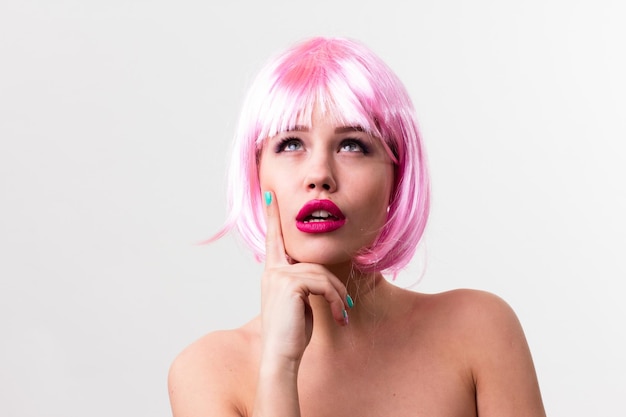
(319, 216)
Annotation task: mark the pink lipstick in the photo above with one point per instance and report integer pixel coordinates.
(319, 216)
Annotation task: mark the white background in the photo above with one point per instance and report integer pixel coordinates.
(115, 122)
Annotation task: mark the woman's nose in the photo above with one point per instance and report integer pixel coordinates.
(320, 174)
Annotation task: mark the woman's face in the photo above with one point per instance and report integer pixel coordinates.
(332, 185)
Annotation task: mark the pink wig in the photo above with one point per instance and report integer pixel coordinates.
(357, 88)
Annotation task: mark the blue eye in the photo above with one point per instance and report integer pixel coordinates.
(289, 145)
(353, 145)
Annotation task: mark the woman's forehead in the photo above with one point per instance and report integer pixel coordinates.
(307, 117)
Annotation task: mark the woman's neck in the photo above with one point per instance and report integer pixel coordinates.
(372, 296)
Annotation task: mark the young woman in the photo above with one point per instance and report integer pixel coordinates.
(329, 185)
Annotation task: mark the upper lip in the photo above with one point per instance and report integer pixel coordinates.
(314, 205)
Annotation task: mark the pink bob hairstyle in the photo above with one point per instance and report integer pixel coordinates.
(355, 87)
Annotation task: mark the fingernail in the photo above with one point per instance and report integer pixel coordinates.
(345, 316)
(268, 198)
(349, 301)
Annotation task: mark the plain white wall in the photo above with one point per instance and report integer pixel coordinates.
(115, 121)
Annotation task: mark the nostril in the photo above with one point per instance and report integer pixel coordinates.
(324, 186)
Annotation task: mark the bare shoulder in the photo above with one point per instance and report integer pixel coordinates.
(474, 306)
(209, 376)
(462, 309)
(493, 345)
(483, 321)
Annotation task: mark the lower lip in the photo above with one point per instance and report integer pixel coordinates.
(320, 227)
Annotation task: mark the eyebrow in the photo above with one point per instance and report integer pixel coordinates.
(341, 129)
(346, 129)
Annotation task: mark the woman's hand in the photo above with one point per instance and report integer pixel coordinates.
(286, 313)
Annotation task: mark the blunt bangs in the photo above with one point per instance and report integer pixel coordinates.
(295, 92)
(350, 84)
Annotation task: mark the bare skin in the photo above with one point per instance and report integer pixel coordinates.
(461, 353)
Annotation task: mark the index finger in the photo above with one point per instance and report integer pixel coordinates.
(274, 245)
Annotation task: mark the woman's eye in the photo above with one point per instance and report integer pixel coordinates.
(353, 146)
(289, 145)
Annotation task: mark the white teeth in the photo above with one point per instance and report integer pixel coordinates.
(318, 216)
(320, 213)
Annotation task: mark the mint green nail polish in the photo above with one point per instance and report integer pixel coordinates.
(345, 316)
(268, 198)
(349, 301)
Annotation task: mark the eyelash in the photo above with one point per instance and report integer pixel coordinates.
(364, 148)
(280, 146)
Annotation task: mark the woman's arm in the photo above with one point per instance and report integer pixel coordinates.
(287, 320)
(277, 390)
